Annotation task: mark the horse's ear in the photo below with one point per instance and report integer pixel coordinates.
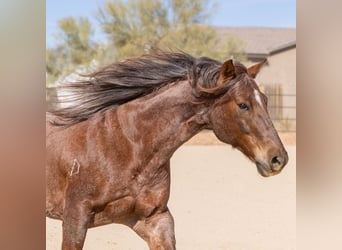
(254, 70)
(227, 70)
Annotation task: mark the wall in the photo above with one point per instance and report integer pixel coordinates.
(281, 70)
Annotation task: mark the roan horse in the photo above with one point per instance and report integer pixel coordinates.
(108, 155)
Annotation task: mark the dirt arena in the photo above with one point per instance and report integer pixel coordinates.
(218, 201)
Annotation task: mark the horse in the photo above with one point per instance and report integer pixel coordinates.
(108, 152)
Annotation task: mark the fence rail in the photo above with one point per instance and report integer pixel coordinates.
(282, 109)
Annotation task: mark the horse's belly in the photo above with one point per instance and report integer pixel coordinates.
(118, 211)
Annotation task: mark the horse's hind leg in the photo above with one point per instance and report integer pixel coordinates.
(76, 218)
(158, 231)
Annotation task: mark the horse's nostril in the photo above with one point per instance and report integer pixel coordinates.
(277, 163)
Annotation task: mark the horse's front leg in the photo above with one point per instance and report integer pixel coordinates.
(158, 231)
(76, 218)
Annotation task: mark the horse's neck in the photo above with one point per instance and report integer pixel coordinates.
(166, 118)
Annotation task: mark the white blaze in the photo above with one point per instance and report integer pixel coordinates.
(257, 96)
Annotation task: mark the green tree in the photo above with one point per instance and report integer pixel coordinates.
(77, 37)
(134, 27)
(75, 47)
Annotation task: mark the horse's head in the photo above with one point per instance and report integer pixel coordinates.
(239, 117)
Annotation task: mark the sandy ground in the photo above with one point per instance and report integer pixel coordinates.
(218, 201)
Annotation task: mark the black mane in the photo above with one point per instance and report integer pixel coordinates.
(124, 81)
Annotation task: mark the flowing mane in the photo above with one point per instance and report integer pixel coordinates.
(124, 81)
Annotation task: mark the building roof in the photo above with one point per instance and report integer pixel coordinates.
(261, 41)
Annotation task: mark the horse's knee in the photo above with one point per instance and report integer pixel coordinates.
(157, 231)
(162, 235)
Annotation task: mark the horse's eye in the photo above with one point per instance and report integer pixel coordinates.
(243, 106)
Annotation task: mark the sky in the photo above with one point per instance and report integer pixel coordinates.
(260, 13)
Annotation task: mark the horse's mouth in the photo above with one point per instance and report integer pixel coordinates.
(265, 170)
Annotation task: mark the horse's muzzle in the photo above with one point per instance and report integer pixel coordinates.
(274, 166)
